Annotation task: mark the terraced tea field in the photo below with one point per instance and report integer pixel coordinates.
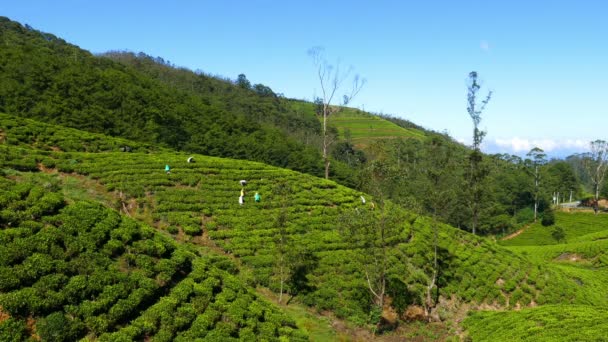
(582, 256)
(363, 128)
(83, 270)
(200, 199)
(299, 216)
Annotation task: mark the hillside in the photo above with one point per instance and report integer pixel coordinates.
(82, 270)
(296, 236)
(361, 128)
(582, 256)
(100, 243)
(47, 79)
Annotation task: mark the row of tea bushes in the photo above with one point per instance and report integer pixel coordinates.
(83, 270)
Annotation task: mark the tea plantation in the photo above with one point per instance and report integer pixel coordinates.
(581, 255)
(547, 323)
(83, 270)
(139, 282)
(361, 128)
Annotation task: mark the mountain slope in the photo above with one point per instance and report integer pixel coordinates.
(70, 271)
(361, 128)
(43, 77)
(200, 200)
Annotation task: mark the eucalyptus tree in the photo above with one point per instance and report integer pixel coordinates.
(477, 172)
(538, 158)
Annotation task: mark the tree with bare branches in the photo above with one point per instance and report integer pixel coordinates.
(595, 163)
(331, 79)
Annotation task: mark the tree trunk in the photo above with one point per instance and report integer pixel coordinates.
(281, 291)
(325, 141)
(475, 214)
(535, 192)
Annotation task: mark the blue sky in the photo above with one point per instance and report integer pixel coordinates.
(546, 61)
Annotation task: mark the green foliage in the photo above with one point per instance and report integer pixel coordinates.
(576, 226)
(13, 330)
(548, 218)
(56, 327)
(558, 233)
(87, 271)
(547, 323)
(525, 215)
(146, 100)
(326, 268)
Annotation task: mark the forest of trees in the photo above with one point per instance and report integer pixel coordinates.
(147, 100)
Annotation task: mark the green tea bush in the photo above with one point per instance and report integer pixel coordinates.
(548, 218)
(13, 330)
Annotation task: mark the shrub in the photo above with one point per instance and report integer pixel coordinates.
(524, 215)
(192, 230)
(558, 234)
(548, 218)
(55, 327)
(13, 330)
(172, 229)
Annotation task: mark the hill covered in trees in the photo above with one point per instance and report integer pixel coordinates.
(150, 101)
(48, 79)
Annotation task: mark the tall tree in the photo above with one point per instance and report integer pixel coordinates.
(331, 79)
(595, 163)
(477, 172)
(243, 82)
(538, 158)
(440, 193)
(282, 243)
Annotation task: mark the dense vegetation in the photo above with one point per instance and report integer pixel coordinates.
(83, 270)
(150, 101)
(582, 255)
(43, 77)
(547, 323)
(321, 266)
(185, 263)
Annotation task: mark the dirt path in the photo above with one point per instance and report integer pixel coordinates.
(509, 237)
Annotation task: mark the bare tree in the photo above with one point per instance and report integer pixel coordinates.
(331, 79)
(595, 163)
(477, 172)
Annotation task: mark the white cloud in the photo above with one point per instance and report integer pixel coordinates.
(557, 146)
